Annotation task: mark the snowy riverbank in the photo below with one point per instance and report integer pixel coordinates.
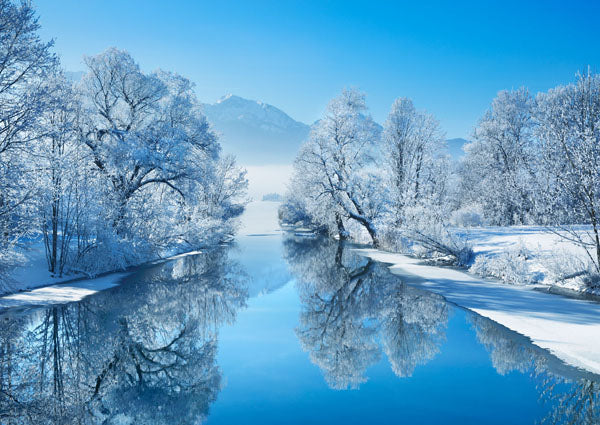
(33, 285)
(568, 328)
(533, 252)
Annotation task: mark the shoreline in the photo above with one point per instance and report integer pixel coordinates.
(566, 327)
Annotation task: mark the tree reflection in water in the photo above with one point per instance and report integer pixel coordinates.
(143, 352)
(572, 395)
(353, 309)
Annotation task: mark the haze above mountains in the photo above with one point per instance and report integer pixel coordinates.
(255, 132)
(261, 134)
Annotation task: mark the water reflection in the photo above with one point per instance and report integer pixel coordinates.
(353, 309)
(572, 395)
(144, 352)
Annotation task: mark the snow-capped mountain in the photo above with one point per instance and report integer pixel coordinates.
(256, 132)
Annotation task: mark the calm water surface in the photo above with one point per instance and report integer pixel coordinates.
(279, 329)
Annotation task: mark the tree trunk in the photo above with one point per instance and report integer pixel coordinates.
(342, 232)
(373, 234)
(53, 253)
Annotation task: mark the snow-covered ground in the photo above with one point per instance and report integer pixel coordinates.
(61, 293)
(33, 272)
(568, 328)
(33, 285)
(537, 239)
(547, 252)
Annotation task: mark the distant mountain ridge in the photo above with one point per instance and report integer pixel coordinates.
(256, 132)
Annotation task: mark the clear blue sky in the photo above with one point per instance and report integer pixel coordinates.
(449, 57)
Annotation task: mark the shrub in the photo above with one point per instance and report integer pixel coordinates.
(510, 266)
(433, 237)
(468, 216)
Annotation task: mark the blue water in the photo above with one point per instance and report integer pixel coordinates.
(278, 330)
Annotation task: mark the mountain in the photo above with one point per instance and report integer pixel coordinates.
(455, 147)
(256, 132)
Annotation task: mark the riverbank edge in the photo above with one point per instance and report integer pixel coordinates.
(584, 352)
(117, 277)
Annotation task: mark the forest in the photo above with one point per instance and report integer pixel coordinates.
(112, 171)
(533, 161)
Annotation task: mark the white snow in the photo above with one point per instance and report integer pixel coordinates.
(61, 293)
(33, 273)
(538, 239)
(568, 328)
(547, 251)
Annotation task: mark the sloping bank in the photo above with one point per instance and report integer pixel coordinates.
(260, 217)
(75, 289)
(568, 328)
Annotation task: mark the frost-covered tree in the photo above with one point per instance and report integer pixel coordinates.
(568, 129)
(61, 174)
(346, 178)
(498, 170)
(416, 174)
(140, 128)
(163, 182)
(416, 177)
(25, 61)
(334, 175)
(413, 146)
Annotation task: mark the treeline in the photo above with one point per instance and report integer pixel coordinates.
(109, 171)
(533, 160)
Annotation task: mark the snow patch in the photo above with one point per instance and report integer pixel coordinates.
(61, 293)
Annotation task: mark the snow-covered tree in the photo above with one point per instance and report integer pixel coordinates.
(568, 129)
(163, 181)
(333, 174)
(61, 174)
(413, 148)
(140, 128)
(25, 61)
(498, 170)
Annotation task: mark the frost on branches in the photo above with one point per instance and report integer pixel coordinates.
(353, 180)
(157, 166)
(116, 170)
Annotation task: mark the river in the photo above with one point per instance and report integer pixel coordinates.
(277, 328)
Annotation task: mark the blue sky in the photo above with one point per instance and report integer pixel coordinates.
(449, 57)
